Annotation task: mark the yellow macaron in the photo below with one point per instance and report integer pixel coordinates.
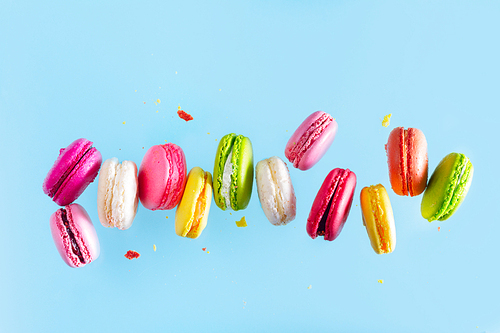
(192, 213)
(378, 218)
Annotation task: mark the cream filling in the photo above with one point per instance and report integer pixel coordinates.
(226, 180)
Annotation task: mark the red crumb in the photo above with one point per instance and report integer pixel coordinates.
(204, 248)
(144, 102)
(439, 228)
(132, 255)
(184, 115)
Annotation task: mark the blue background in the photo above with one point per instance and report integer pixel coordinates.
(257, 68)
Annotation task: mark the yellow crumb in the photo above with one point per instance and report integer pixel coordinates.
(208, 132)
(136, 90)
(241, 223)
(158, 100)
(220, 89)
(387, 120)
(156, 111)
(310, 286)
(208, 252)
(123, 123)
(154, 247)
(380, 281)
(179, 107)
(167, 216)
(156, 103)
(175, 72)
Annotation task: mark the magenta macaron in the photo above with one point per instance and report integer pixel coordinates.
(332, 204)
(311, 140)
(162, 177)
(74, 235)
(74, 169)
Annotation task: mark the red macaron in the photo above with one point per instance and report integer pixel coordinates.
(407, 160)
(332, 204)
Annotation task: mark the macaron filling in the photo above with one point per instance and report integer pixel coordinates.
(308, 138)
(226, 180)
(199, 212)
(75, 249)
(378, 212)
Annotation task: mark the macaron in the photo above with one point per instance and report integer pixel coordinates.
(407, 159)
(74, 169)
(311, 140)
(378, 218)
(192, 213)
(332, 204)
(117, 193)
(162, 177)
(74, 235)
(447, 187)
(233, 172)
(275, 190)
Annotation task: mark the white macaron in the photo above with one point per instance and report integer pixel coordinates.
(275, 190)
(117, 193)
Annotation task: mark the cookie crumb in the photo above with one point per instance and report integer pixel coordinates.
(439, 228)
(144, 102)
(158, 101)
(380, 281)
(204, 248)
(310, 286)
(184, 115)
(132, 255)
(154, 247)
(241, 223)
(208, 252)
(166, 217)
(135, 90)
(386, 120)
(124, 122)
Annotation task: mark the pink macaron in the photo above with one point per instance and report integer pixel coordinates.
(74, 169)
(74, 235)
(162, 177)
(311, 140)
(332, 204)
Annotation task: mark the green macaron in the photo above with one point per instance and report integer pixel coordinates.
(233, 172)
(447, 187)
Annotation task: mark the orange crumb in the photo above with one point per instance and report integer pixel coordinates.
(144, 102)
(204, 248)
(132, 255)
(167, 217)
(439, 228)
(184, 115)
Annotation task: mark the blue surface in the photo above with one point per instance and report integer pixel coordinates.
(254, 68)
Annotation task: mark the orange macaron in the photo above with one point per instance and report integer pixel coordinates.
(407, 160)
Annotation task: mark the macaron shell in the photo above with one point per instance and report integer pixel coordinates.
(162, 177)
(336, 194)
(417, 161)
(447, 187)
(378, 218)
(275, 190)
(341, 205)
(192, 214)
(83, 230)
(74, 169)
(223, 150)
(117, 193)
(242, 178)
(396, 160)
(311, 140)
